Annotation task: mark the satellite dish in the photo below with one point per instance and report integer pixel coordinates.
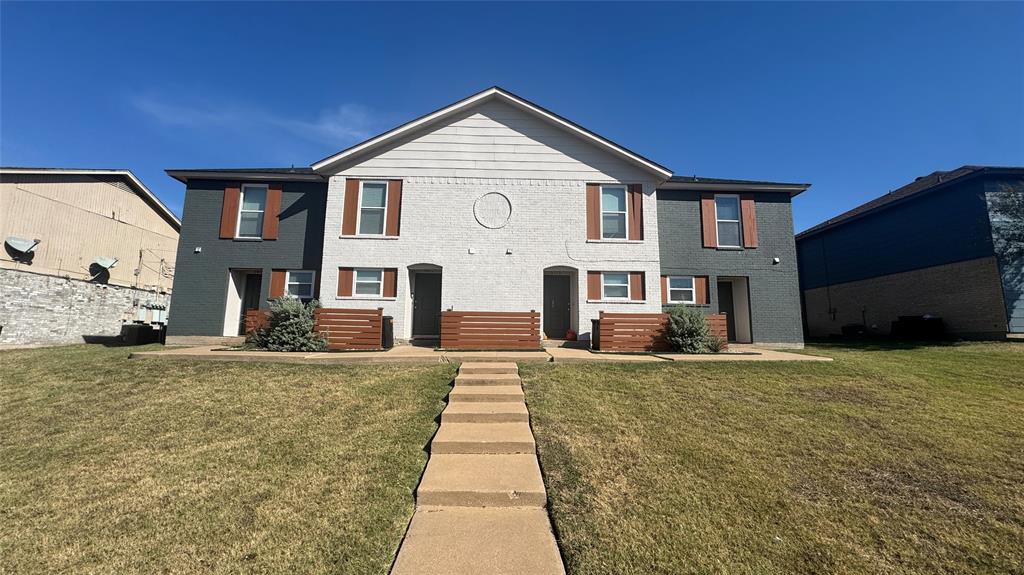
(105, 262)
(22, 245)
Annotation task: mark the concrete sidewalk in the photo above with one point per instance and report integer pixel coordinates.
(480, 505)
(414, 354)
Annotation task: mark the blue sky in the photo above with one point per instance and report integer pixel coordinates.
(855, 98)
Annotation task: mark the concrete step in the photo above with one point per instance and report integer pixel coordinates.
(466, 540)
(485, 412)
(482, 481)
(483, 438)
(488, 379)
(463, 393)
(489, 367)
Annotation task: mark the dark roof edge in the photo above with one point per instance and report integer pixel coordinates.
(844, 218)
(246, 174)
(720, 185)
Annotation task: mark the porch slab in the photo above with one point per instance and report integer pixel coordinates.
(570, 354)
(498, 356)
(424, 355)
(744, 354)
(471, 541)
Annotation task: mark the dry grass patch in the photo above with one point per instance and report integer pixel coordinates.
(142, 466)
(887, 460)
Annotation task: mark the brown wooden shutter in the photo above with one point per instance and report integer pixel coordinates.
(351, 208)
(636, 212)
(344, 282)
(636, 286)
(272, 214)
(664, 289)
(593, 212)
(277, 278)
(390, 282)
(700, 290)
(707, 220)
(229, 211)
(593, 285)
(393, 217)
(749, 218)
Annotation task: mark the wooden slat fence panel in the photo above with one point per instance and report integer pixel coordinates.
(350, 328)
(638, 332)
(490, 330)
(718, 328)
(256, 319)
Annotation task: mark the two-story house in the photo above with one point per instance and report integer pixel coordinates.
(490, 204)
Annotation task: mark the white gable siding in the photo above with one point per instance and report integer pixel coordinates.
(542, 170)
(496, 140)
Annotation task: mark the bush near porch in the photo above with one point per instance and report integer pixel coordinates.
(888, 460)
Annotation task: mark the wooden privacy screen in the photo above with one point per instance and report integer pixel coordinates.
(490, 330)
(255, 319)
(716, 323)
(350, 328)
(643, 331)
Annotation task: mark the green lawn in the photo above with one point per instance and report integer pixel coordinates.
(111, 465)
(886, 460)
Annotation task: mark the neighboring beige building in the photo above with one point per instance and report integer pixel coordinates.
(83, 251)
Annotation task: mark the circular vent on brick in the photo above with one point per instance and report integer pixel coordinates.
(492, 210)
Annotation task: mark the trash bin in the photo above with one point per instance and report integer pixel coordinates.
(387, 333)
(141, 333)
(595, 334)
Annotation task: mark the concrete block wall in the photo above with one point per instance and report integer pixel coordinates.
(38, 309)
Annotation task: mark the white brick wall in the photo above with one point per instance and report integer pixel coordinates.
(547, 228)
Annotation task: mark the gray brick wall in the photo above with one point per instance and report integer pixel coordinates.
(39, 309)
(774, 288)
(201, 279)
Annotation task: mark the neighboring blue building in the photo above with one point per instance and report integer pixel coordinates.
(948, 244)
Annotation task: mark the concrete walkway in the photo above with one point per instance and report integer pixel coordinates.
(480, 506)
(414, 354)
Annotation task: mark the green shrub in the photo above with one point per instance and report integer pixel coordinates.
(716, 344)
(688, 331)
(290, 328)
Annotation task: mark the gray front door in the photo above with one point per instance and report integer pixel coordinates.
(725, 306)
(426, 305)
(556, 306)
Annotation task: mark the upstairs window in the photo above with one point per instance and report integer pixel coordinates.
(373, 199)
(727, 221)
(681, 290)
(369, 282)
(615, 286)
(613, 212)
(300, 284)
(250, 213)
